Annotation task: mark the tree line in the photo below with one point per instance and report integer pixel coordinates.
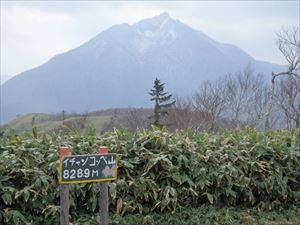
(244, 99)
(234, 101)
(237, 101)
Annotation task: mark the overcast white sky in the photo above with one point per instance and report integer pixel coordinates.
(34, 31)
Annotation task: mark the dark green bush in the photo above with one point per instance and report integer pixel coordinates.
(158, 171)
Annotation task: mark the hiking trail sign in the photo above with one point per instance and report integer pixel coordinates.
(75, 169)
(87, 168)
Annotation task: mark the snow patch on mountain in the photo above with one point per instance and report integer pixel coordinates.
(155, 32)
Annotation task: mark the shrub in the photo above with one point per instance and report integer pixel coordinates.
(158, 171)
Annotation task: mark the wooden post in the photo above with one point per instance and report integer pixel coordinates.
(103, 200)
(64, 204)
(64, 194)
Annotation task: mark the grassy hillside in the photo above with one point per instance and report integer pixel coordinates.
(101, 121)
(46, 123)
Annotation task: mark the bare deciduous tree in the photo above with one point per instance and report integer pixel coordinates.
(244, 94)
(181, 115)
(210, 103)
(288, 43)
(136, 118)
(287, 98)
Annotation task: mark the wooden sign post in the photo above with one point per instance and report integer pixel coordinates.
(64, 193)
(103, 200)
(75, 169)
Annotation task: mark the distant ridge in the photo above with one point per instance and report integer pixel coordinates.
(117, 68)
(4, 78)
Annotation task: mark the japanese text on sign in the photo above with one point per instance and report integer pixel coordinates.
(87, 168)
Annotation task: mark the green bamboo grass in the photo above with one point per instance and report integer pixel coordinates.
(159, 172)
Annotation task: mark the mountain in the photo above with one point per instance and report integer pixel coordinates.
(117, 69)
(4, 78)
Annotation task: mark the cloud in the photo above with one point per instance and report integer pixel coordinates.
(34, 31)
(30, 36)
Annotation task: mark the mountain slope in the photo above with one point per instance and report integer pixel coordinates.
(4, 78)
(117, 68)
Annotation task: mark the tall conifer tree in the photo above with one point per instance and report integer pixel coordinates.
(162, 101)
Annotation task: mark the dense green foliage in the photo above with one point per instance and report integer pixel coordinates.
(205, 215)
(158, 172)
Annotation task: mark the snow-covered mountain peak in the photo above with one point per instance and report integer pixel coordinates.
(161, 18)
(156, 31)
(155, 23)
